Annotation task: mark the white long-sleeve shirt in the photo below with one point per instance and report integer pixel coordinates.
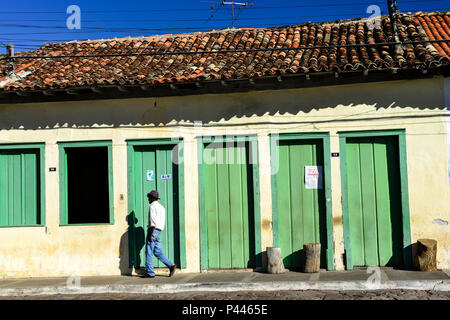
(156, 215)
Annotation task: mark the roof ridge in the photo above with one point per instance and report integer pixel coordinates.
(159, 36)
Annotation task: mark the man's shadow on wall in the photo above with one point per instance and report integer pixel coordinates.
(131, 244)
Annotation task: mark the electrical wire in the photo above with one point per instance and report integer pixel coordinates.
(188, 20)
(98, 30)
(174, 20)
(204, 9)
(136, 29)
(203, 20)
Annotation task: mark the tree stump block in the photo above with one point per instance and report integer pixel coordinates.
(312, 255)
(426, 254)
(275, 260)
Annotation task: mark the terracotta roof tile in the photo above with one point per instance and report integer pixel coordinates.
(43, 74)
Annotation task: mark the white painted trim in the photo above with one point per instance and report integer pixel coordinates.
(447, 106)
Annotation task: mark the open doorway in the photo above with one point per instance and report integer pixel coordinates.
(87, 185)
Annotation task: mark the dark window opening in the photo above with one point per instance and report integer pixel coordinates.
(87, 185)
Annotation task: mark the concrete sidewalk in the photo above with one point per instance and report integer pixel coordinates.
(230, 281)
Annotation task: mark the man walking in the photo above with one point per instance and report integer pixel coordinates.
(156, 221)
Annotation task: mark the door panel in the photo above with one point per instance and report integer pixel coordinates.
(228, 205)
(159, 160)
(374, 201)
(301, 211)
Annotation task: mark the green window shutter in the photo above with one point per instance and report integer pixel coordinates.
(19, 187)
(3, 189)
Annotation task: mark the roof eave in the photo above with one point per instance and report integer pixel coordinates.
(218, 86)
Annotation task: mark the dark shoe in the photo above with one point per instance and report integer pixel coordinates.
(173, 268)
(146, 276)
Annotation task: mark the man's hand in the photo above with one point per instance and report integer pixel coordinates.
(150, 233)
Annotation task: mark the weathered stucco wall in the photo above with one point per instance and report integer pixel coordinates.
(416, 105)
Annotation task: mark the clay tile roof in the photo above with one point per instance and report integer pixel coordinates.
(181, 66)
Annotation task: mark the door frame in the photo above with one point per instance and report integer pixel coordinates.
(131, 143)
(325, 139)
(63, 174)
(400, 134)
(41, 171)
(252, 140)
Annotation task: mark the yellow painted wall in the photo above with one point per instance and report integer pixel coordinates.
(415, 105)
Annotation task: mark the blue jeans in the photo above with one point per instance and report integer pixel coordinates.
(155, 248)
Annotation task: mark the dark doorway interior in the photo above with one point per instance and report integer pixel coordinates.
(87, 185)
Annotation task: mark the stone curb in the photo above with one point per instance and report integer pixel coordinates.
(436, 285)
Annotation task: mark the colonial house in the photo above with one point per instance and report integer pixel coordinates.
(334, 133)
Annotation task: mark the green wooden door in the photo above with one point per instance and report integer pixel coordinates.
(19, 187)
(229, 206)
(374, 201)
(154, 169)
(301, 211)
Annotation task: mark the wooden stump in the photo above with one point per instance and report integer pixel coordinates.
(426, 254)
(312, 255)
(274, 260)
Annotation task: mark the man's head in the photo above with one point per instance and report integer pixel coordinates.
(152, 196)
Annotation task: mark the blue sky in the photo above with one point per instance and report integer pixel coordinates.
(30, 23)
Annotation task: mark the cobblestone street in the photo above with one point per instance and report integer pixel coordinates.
(259, 295)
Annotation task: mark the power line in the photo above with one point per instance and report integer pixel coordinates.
(99, 30)
(204, 9)
(334, 5)
(186, 20)
(194, 20)
(191, 20)
(22, 45)
(162, 29)
(179, 20)
(229, 51)
(125, 29)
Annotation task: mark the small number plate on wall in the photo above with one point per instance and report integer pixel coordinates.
(335, 154)
(52, 169)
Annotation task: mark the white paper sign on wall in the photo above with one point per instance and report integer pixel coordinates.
(313, 177)
(166, 176)
(150, 175)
